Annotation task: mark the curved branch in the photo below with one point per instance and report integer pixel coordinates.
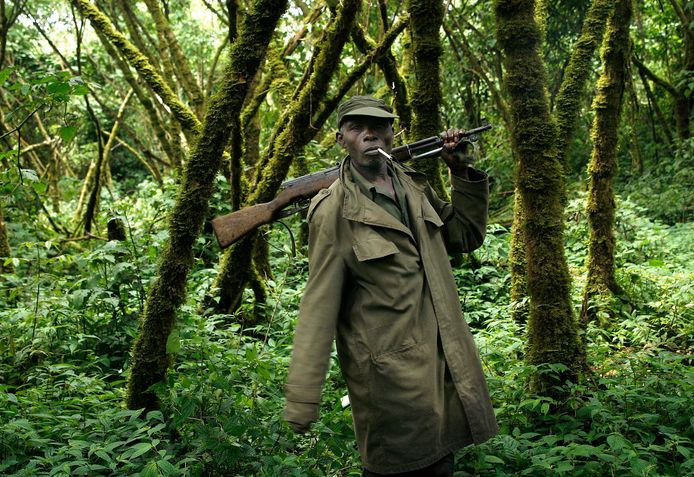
(138, 61)
(653, 77)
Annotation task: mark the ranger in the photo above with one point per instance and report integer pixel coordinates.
(380, 283)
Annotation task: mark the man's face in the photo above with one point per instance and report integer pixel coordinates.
(360, 136)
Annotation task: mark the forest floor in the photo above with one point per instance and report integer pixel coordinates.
(69, 314)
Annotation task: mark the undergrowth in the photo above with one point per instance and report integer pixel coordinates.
(69, 313)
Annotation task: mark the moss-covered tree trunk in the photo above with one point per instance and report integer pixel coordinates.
(568, 103)
(572, 90)
(293, 131)
(552, 328)
(150, 359)
(167, 40)
(5, 250)
(388, 65)
(684, 100)
(426, 17)
(601, 283)
(93, 182)
(188, 121)
(144, 99)
(520, 302)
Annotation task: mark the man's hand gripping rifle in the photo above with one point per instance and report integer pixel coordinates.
(232, 227)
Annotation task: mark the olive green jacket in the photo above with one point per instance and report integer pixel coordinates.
(387, 294)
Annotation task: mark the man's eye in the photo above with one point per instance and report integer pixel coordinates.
(356, 127)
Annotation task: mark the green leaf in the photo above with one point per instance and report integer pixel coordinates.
(103, 455)
(582, 450)
(150, 470)
(173, 342)
(80, 90)
(67, 133)
(564, 467)
(141, 448)
(492, 459)
(4, 74)
(40, 187)
(166, 467)
(616, 442)
(58, 88)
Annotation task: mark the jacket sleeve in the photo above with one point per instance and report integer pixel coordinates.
(465, 218)
(315, 330)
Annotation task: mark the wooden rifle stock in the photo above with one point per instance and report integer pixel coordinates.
(232, 227)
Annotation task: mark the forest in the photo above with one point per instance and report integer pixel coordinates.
(132, 344)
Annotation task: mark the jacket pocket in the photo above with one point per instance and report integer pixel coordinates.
(430, 215)
(403, 409)
(373, 248)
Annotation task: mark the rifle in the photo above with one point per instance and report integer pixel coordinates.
(232, 227)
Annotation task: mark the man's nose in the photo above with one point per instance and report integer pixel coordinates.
(370, 132)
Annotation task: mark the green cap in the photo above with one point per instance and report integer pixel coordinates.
(364, 106)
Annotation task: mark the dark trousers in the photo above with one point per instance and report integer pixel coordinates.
(441, 468)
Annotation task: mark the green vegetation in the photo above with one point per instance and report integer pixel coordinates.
(69, 316)
(186, 109)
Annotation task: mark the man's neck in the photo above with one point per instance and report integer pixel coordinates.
(379, 178)
(376, 175)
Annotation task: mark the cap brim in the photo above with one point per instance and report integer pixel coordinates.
(370, 111)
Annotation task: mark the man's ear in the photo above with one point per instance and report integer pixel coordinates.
(340, 139)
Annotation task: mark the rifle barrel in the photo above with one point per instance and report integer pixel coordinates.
(231, 227)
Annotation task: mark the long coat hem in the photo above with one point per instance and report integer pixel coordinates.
(420, 464)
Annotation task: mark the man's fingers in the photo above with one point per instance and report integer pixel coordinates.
(452, 136)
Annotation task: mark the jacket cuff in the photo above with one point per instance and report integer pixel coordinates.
(302, 394)
(300, 413)
(475, 176)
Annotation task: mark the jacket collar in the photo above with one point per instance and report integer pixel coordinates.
(359, 208)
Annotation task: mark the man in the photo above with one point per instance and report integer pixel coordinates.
(380, 282)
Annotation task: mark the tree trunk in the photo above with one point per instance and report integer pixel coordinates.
(167, 40)
(552, 329)
(5, 251)
(601, 283)
(395, 82)
(571, 92)
(684, 100)
(426, 17)
(520, 303)
(93, 184)
(143, 98)
(568, 105)
(297, 127)
(150, 359)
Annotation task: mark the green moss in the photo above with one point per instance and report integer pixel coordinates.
(603, 163)
(425, 23)
(396, 84)
(552, 329)
(518, 265)
(571, 93)
(143, 98)
(149, 359)
(5, 251)
(140, 62)
(292, 132)
(182, 70)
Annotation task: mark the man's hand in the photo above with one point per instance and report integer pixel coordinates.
(300, 415)
(299, 428)
(456, 154)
